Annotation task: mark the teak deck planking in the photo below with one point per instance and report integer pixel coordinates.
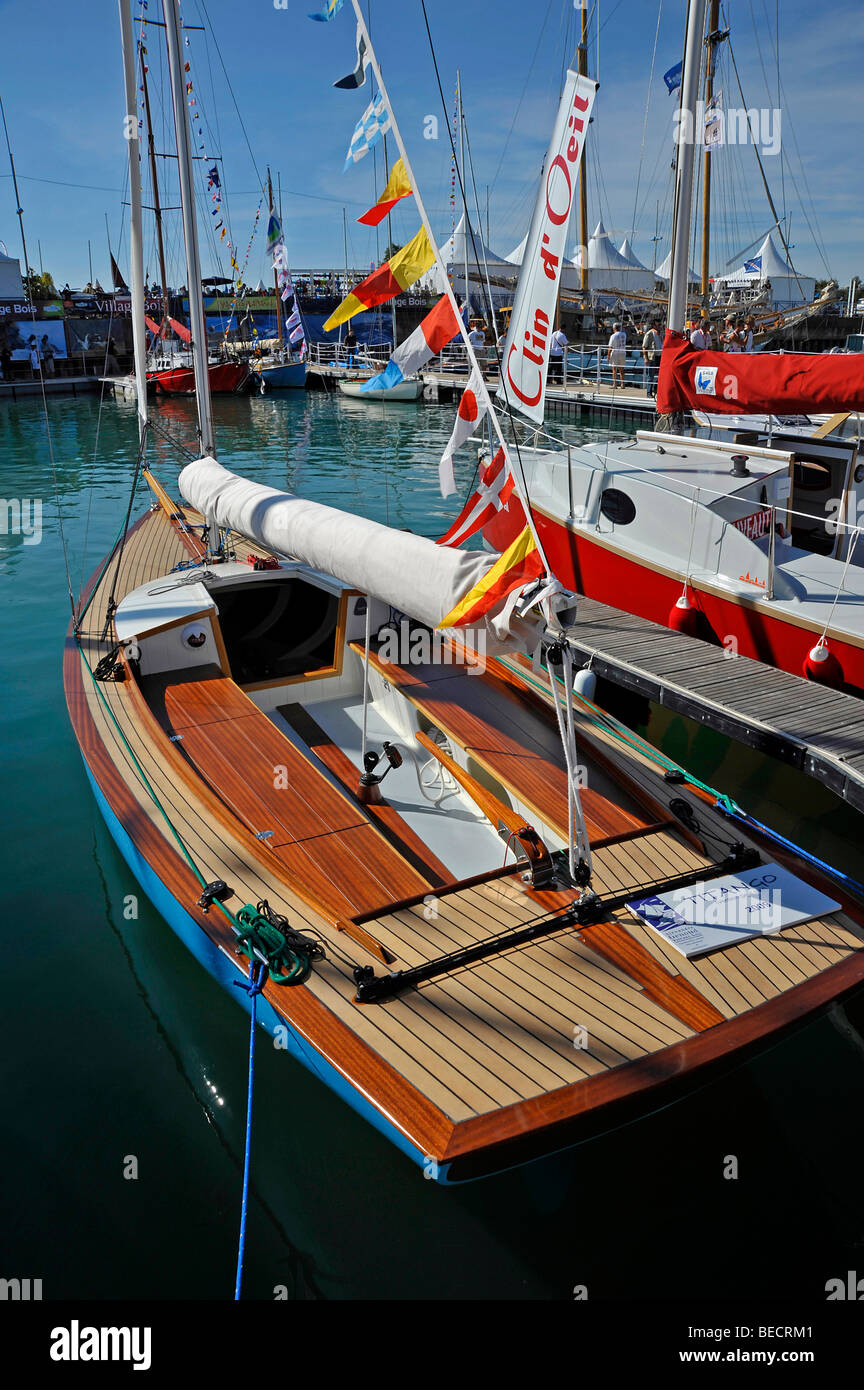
(457, 1061)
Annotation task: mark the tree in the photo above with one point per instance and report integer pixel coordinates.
(391, 250)
(40, 286)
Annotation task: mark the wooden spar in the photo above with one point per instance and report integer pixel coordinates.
(157, 206)
(389, 242)
(275, 272)
(496, 811)
(711, 43)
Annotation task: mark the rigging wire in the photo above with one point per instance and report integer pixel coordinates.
(645, 121)
(522, 94)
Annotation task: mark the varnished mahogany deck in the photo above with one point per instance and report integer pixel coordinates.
(482, 1061)
(322, 839)
(506, 737)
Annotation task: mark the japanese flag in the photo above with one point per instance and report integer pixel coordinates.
(472, 408)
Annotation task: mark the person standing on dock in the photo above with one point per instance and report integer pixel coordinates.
(700, 336)
(33, 353)
(749, 329)
(6, 362)
(652, 346)
(46, 349)
(617, 354)
(730, 338)
(557, 354)
(350, 344)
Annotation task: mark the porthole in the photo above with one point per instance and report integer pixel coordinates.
(617, 507)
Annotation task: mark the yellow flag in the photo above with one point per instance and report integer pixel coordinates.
(397, 187)
(388, 280)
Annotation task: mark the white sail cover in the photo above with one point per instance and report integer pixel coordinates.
(421, 579)
(526, 351)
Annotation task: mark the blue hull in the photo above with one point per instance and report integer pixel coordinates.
(223, 970)
(287, 376)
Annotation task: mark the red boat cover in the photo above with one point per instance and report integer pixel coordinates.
(735, 383)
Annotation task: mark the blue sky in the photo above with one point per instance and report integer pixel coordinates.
(60, 79)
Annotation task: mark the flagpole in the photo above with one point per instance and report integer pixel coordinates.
(448, 288)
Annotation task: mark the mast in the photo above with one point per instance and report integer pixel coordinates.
(275, 271)
(390, 244)
(154, 180)
(345, 252)
(197, 324)
(711, 43)
(136, 244)
(19, 210)
(582, 68)
(464, 189)
(684, 165)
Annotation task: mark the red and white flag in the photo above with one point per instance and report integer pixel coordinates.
(471, 410)
(493, 492)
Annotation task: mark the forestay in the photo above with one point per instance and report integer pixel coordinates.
(526, 352)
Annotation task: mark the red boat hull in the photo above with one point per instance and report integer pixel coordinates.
(180, 381)
(744, 628)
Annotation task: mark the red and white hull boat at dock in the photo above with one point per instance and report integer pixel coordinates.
(225, 378)
(743, 545)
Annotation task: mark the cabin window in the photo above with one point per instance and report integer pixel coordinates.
(617, 507)
(277, 629)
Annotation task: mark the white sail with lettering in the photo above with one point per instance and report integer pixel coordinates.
(526, 352)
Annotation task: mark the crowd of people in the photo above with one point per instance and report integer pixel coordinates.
(736, 334)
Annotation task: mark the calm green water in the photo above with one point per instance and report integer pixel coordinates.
(116, 1043)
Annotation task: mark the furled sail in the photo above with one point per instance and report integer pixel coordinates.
(413, 574)
(525, 359)
(743, 382)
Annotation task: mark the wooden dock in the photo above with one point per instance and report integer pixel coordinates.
(579, 397)
(813, 728)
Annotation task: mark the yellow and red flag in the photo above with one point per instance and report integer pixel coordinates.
(519, 564)
(388, 280)
(397, 188)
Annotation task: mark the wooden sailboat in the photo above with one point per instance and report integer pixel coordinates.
(296, 770)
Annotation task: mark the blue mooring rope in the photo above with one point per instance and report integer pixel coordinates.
(253, 989)
(852, 883)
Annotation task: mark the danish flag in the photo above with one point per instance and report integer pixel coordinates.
(493, 493)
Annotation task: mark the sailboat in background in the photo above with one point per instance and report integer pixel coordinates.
(277, 371)
(169, 366)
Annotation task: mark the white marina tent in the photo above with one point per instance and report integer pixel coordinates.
(664, 270)
(454, 252)
(787, 288)
(10, 278)
(609, 270)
